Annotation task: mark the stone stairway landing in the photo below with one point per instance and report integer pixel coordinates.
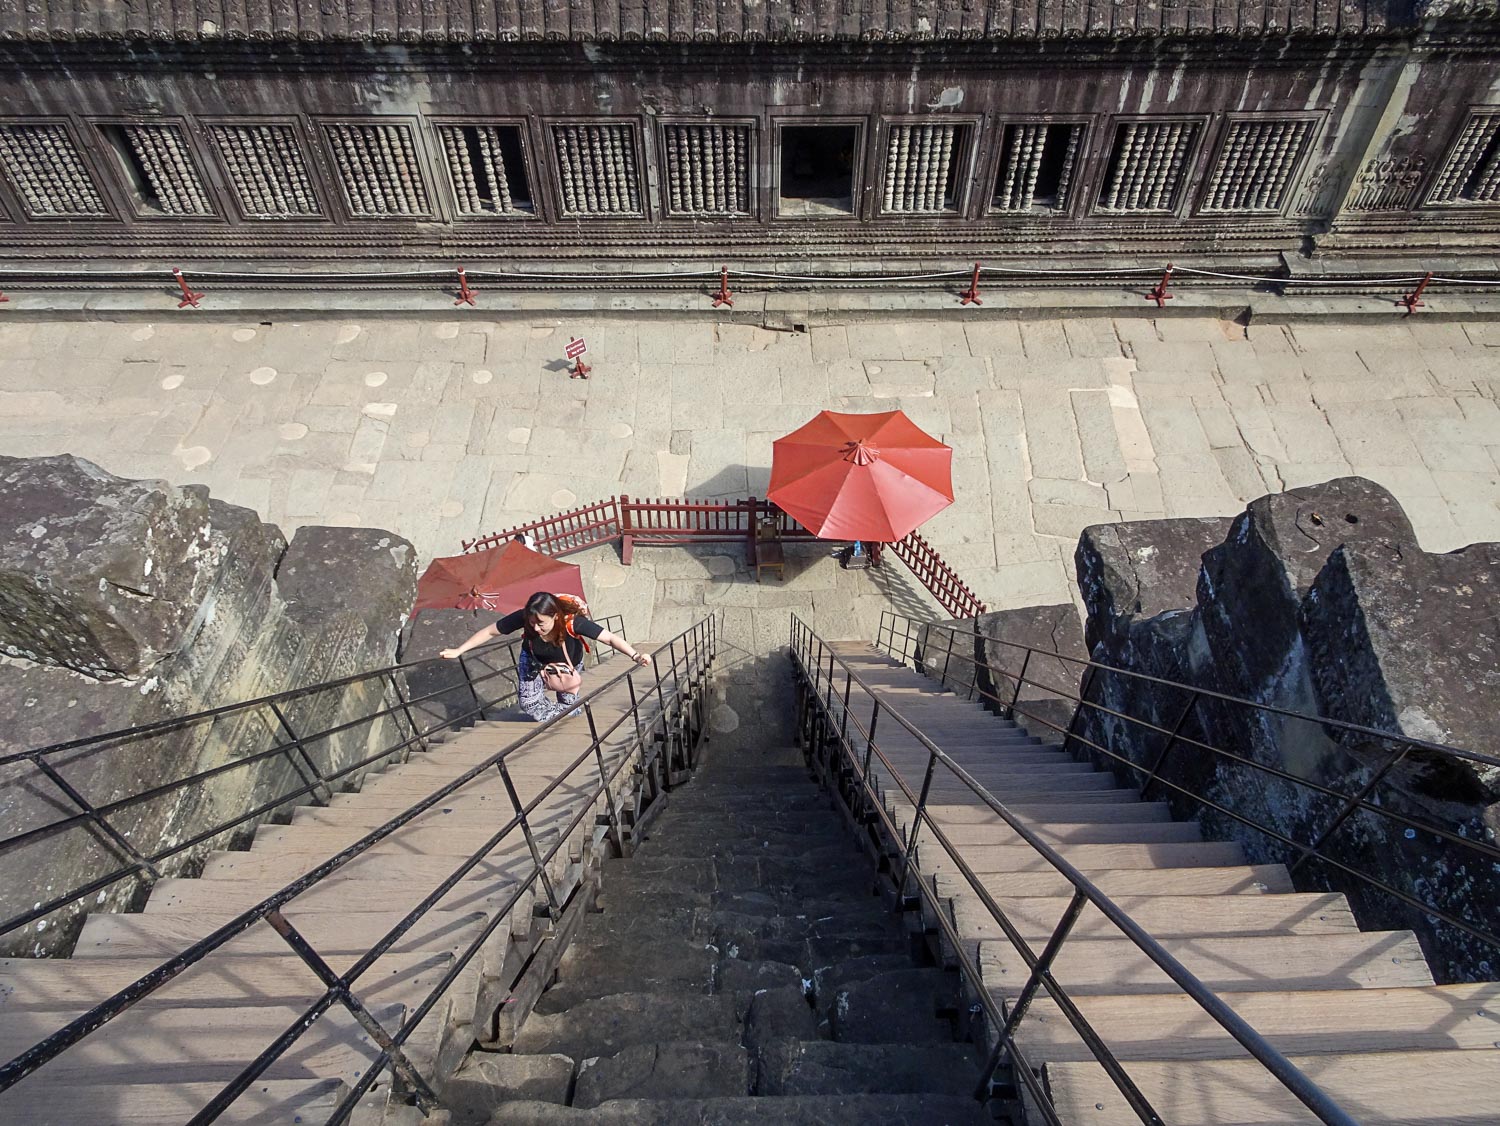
(741, 968)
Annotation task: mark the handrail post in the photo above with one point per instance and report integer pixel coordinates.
(322, 791)
(96, 818)
(416, 732)
(473, 689)
(1010, 710)
(870, 735)
(666, 737)
(1161, 756)
(916, 826)
(554, 911)
(1040, 972)
(1083, 702)
(947, 659)
(1350, 806)
(609, 798)
(627, 539)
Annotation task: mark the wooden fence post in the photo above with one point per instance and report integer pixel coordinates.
(627, 541)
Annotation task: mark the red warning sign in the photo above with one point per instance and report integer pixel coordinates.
(576, 347)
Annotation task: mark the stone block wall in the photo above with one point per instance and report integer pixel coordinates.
(1316, 601)
(125, 603)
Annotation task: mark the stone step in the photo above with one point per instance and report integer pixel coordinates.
(799, 1110)
(899, 1007)
(598, 970)
(671, 1070)
(607, 1025)
(828, 979)
(488, 1080)
(828, 1067)
(779, 1014)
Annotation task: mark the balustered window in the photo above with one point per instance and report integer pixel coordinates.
(487, 167)
(1147, 165)
(159, 173)
(1472, 172)
(924, 166)
(1255, 166)
(818, 164)
(379, 170)
(43, 166)
(707, 169)
(1037, 163)
(597, 169)
(267, 170)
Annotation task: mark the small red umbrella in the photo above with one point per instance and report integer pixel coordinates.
(499, 578)
(861, 476)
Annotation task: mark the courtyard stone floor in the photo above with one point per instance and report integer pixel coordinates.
(447, 430)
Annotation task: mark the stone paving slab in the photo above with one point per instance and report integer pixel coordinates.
(443, 429)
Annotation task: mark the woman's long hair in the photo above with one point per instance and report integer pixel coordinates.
(543, 603)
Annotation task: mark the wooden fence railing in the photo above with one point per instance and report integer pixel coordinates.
(667, 522)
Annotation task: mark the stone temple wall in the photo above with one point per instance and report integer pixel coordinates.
(1318, 600)
(124, 603)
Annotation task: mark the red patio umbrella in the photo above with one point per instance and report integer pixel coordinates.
(861, 476)
(499, 579)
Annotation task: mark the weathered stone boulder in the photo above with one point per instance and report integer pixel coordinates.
(1046, 702)
(1274, 551)
(1320, 602)
(103, 575)
(137, 602)
(1133, 571)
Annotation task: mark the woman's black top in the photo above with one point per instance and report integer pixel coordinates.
(544, 652)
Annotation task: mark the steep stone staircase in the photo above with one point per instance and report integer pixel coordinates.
(1358, 1011)
(160, 1061)
(741, 969)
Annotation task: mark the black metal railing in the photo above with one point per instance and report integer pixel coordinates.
(827, 718)
(1336, 808)
(391, 708)
(666, 703)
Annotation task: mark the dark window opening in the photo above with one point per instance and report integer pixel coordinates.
(137, 181)
(493, 150)
(817, 169)
(1054, 160)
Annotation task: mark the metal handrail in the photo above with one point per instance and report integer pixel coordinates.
(810, 668)
(315, 782)
(699, 644)
(1350, 803)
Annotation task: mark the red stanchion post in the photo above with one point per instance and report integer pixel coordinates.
(723, 297)
(188, 296)
(970, 296)
(1160, 294)
(465, 294)
(1413, 300)
(3, 299)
